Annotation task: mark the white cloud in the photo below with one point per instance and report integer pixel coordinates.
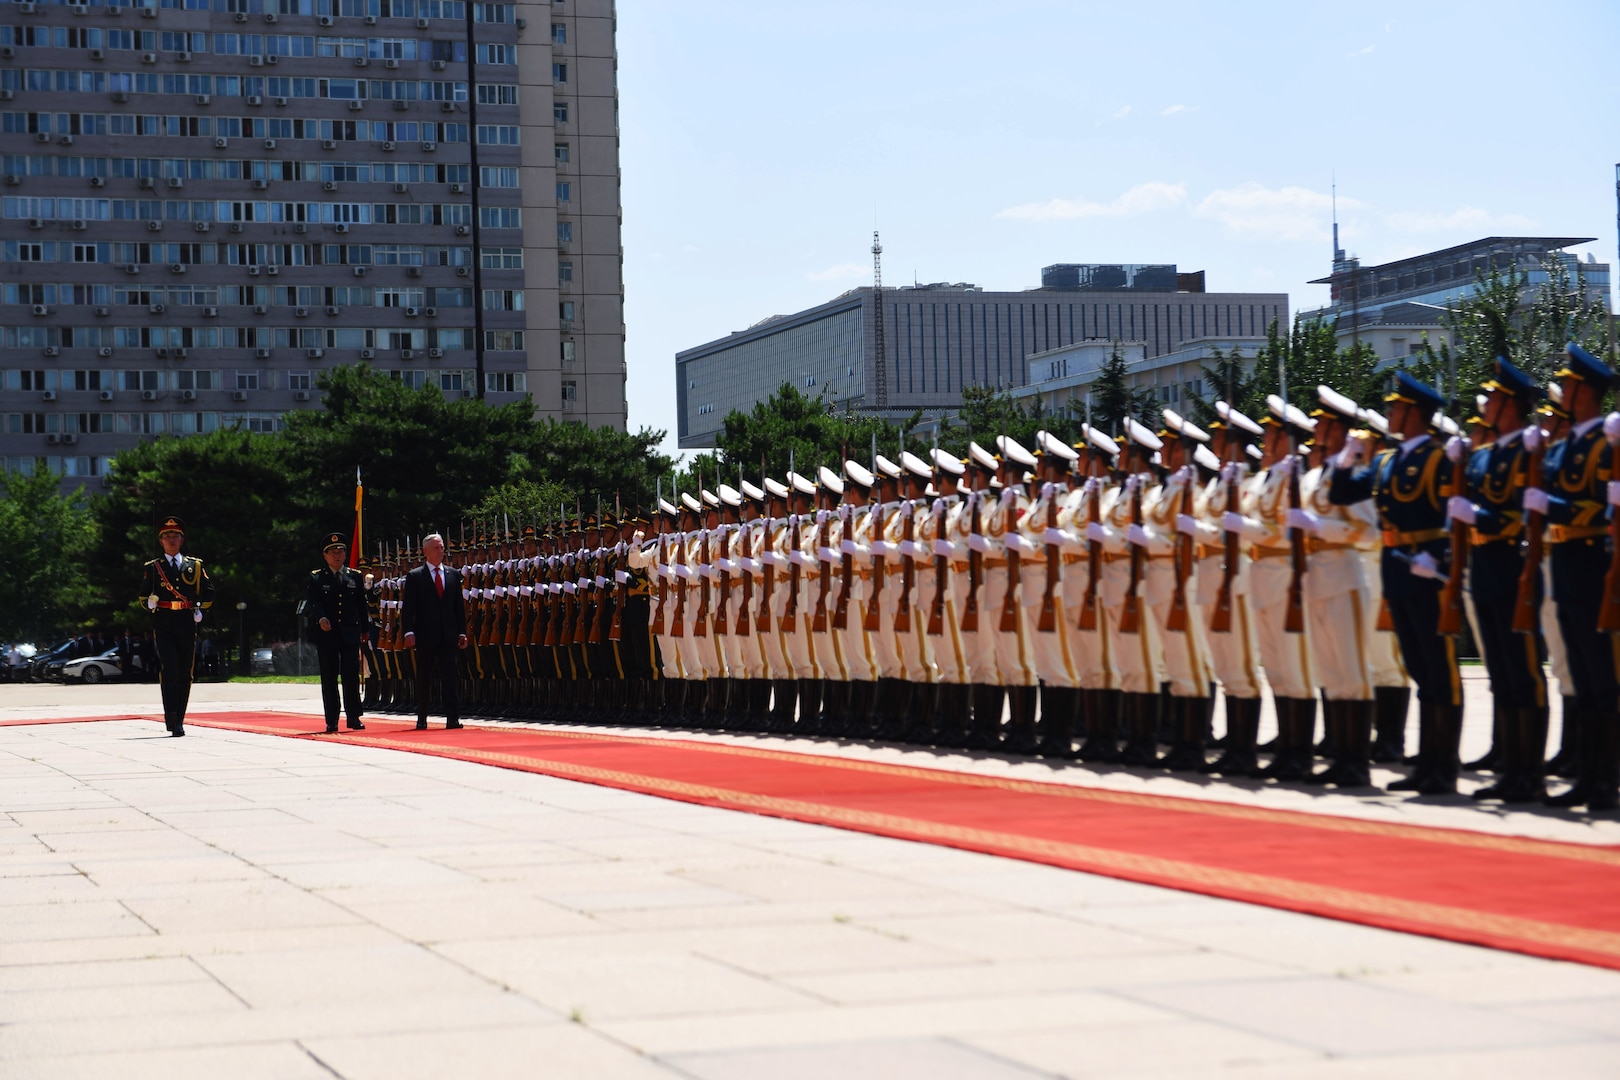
(1362, 52)
(841, 272)
(1172, 110)
(1141, 199)
(1289, 213)
(1121, 113)
(1464, 217)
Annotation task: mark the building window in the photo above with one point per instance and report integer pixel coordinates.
(247, 380)
(503, 299)
(570, 391)
(559, 33)
(503, 258)
(565, 193)
(560, 152)
(503, 340)
(559, 73)
(506, 382)
(559, 112)
(809, 380)
(298, 380)
(565, 232)
(565, 311)
(565, 270)
(567, 352)
(704, 410)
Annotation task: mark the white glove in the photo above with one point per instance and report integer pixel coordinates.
(1187, 525)
(1019, 543)
(821, 517)
(1285, 466)
(1232, 473)
(1614, 492)
(1423, 565)
(1048, 490)
(825, 554)
(1300, 518)
(1536, 501)
(1132, 483)
(1611, 428)
(844, 510)
(196, 614)
(1137, 535)
(1095, 532)
(978, 543)
(1534, 437)
(1008, 494)
(1093, 486)
(1350, 456)
(944, 547)
(620, 577)
(1456, 448)
(151, 602)
(1053, 537)
(1460, 509)
(1234, 522)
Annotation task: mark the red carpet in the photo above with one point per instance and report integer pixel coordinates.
(1544, 898)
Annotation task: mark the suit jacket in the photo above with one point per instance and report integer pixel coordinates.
(435, 620)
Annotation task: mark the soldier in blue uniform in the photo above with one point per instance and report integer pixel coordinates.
(335, 604)
(1495, 478)
(1408, 484)
(176, 591)
(1575, 498)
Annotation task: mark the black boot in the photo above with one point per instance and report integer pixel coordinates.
(862, 704)
(1577, 722)
(1333, 716)
(1059, 704)
(1566, 763)
(1423, 764)
(1187, 752)
(1393, 703)
(1022, 735)
(897, 704)
(1501, 713)
(784, 702)
(1509, 760)
(1445, 762)
(956, 715)
(1296, 722)
(1530, 784)
(1102, 727)
(808, 720)
(1242, 726)
(984, 729)
(1351, 769)
(1141, 730)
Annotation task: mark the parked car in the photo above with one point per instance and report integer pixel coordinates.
(264, 662)
(40, 666)
(92, 669)
(15, 658)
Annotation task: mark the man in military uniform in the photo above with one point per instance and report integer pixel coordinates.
(177, 591)
(340, 621)
(1576, 494)
(1409, 484)
(1493, 504)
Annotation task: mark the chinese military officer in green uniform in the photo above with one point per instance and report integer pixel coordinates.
(177, 591)
(336, 608)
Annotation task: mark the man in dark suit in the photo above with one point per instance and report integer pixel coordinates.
(434, 617)
(335, 605)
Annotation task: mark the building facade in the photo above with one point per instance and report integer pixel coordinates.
(939, 339)
(208, 203)
(1061, 379)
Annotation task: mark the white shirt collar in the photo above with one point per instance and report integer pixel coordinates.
(1586, 425)
(1413, 443)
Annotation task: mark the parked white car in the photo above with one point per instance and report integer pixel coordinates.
(93, 669)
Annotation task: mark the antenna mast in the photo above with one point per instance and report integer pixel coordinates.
(880, 373)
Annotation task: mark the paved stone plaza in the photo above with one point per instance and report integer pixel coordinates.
(235, 905)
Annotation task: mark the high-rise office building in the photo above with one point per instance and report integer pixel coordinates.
(208, 203)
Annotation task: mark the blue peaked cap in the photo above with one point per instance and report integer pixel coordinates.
(1580, 364)
(1413, 392)
(1507, 378)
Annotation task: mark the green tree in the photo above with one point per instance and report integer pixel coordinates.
(46, 537)
(1113, 398)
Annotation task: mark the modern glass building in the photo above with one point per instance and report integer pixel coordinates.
(939, 339)
(208, 203)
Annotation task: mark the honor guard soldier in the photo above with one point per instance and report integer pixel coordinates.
(1095, 646)
(1005, 549)
(897, 686)
(177, 591)
(1492, 504)
(941, 538)
(1338, 601)
(977, 629)
(1410, 485)
(336, 608)
(852, 572)
(1051, 558)
(772, 555)
(1392, 693)
(1554, 424)
(1577, 494)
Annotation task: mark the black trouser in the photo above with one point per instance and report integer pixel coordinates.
(437, 660)
(1414, 606)
(175, 633)
(1513, 660)
(340, 661)
(1578, 569)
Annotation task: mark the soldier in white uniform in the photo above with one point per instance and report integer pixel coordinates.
(979, 625)
(1140, 656)
(827, 642)
(1005, 550)
(913, 590)
(727, 589)
(1051, 559)
(1337, 597)
(797, 602)
(1093, 646)
(853, 571)
(895, 688)
(1223, 593)
(1171, 592)
(1392, 691)
(769, 552)
(942, 538)
(1285, 655)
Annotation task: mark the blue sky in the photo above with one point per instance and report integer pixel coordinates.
(761, 140)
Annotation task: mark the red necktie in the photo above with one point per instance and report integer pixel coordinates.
(438, 582)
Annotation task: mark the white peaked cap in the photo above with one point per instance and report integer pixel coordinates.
(776, 487)
(829, 480)
(1051, 444)
(1206, 459)
(730, 496)
(801, 483)
(915, 465)
(1014, 452)
(982, 457)
(1253, 451)
(1232, 418)
(886, 467)
(668, 507)
(859, 474)
(1099, 440)
(948, 463)
(1141, 435)
(753, 491)
(1445, 424)
(1375, 421)
(1177, 424)
(1335, 402)
(691, 503)
(1291, 415)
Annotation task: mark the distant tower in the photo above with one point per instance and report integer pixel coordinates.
(880, 373)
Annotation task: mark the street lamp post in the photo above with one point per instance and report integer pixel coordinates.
(241, 638)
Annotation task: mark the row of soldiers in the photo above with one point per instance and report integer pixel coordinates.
(1085, 601)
